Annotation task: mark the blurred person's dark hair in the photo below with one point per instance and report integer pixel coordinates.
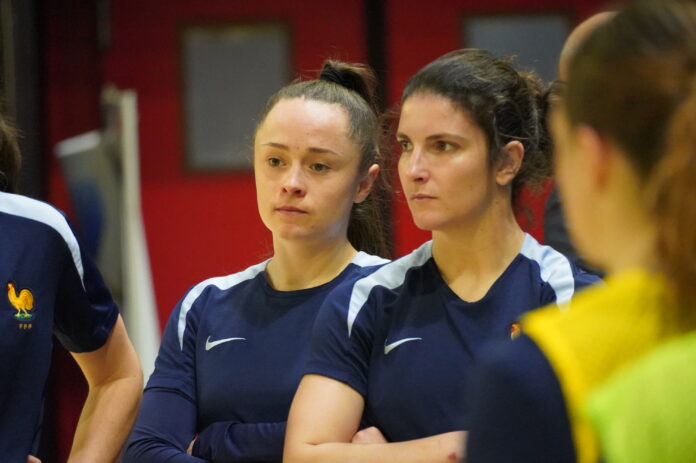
(627, 80)
(10, 157)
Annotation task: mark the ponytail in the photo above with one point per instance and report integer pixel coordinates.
(673, 192)
(538, 163)
(366, 228)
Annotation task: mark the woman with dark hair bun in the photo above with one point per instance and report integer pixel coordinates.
(235, 346)
(628, 188)
(395, 347)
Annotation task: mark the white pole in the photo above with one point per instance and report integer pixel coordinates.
(140, 310)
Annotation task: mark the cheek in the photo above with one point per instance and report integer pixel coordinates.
(401, 166)
(575, 193)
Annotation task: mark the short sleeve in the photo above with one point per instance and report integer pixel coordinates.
(580, 280)
(341, 346)
(583, 279)
(175, 365)
(85, 312)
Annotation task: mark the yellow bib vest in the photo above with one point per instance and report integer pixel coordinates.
(607, 327)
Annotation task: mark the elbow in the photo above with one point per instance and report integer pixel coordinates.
(296, 452)
(290, 454)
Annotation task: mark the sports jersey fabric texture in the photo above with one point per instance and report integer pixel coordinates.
(517, 408)
(663, 427)
(402, 339)
(607, 328)
(232, 355)
(50, 286)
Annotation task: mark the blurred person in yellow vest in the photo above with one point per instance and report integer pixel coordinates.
(625, 82)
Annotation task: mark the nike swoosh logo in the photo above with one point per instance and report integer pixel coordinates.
(390, 347)
(209, 345)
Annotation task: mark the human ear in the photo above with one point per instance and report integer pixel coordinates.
(366, 183)
(509, 162)
(596, 151)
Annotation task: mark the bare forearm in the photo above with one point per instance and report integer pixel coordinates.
(107, 417)
(445, 448)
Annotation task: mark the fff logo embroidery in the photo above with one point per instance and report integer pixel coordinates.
(23, 304)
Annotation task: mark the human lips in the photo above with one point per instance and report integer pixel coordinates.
(420, 197)
(290, 210)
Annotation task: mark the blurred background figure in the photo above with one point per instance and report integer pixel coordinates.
(52, 287)
(612, 133)
(555, 231)
(661, 428)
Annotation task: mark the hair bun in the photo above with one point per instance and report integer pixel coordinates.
(356, 77)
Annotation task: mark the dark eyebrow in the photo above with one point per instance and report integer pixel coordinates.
(439, 136)
(321, 150)
(277, 145)
(312, 149)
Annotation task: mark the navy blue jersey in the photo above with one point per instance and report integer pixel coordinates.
(49, 286)
(518, 411)
(231, 358)
(406, 342)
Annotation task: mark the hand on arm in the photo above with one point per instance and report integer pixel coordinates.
(323, 421)
(115, 382)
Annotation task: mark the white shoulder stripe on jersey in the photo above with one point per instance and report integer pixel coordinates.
(390, 276)
(364, 259)
(32, 209)
(555, 268)
(222, 283)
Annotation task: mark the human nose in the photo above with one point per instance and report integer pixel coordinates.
(416, 168)
(293, 182)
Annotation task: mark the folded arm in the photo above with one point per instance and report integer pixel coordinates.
(229, 442)
(164, 428)
(324, 418)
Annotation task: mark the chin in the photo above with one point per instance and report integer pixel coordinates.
(427, 223)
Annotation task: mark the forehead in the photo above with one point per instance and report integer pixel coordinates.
(300, 119)
(427, 113)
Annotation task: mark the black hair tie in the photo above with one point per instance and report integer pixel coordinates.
(344, 79)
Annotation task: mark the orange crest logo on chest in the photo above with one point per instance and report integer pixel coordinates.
(515, 330)
(23, 302)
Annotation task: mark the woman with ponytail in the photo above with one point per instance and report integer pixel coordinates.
(396, 346)
(235, 346)
(628, 187)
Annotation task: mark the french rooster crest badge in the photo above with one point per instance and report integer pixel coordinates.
(23, 302)
(515, 330)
